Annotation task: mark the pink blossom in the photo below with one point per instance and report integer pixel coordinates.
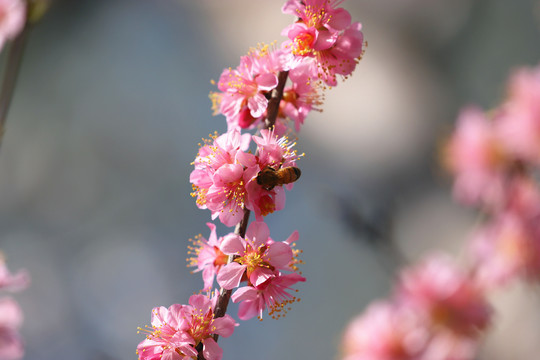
(242, 99)
(273, 294)
(301, 97)
(257, 258)
(222, 170)
(176, 331)
(520, 115)
(477, 158)
(385, 332)
(208, 256)
(12, 19)
(11, 317)
(506, 249)
(225, 176)
(12, 282)
(450, 302)
(325, 34)
(275, 152)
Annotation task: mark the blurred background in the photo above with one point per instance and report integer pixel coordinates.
(111, 102)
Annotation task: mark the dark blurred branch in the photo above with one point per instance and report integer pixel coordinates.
(11, 73)
(374, 228)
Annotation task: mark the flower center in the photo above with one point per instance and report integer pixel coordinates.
(201, 327)
(302, 44)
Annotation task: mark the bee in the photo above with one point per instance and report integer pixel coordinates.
(269, 177)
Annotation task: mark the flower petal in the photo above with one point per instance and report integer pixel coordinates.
(230, 275)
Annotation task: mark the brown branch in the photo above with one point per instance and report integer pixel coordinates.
(11, 72)
(273, 104)
(272, 113)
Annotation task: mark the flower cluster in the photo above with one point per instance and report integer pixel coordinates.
(177, 331)
(321, 45)
(325, 37)
(11, 346)
(225, 175)
(495, 157)
(271, 92)
(268, 268)
(438, 313)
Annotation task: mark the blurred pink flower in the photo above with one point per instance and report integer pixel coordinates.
(176, 331)
(520, 115)
(384, 332)
(477, 158)
(12, 282)
(12, 19)
(506, 249)
(11, 317)
(450, 302)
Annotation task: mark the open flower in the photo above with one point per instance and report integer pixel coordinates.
(222, 170)
(325, 35)
(275, 152)
(257, 258)
(274, 294)
(243, 98)
(208, 256)
(176, 331)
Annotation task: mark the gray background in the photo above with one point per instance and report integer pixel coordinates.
(112, 101)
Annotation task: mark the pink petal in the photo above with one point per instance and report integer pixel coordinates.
(228, 173)
(279, 198)
(200, 301)
(324, 41)
(170, 354)
(208, 277)
(340, 19)
(11, 315)
(279, 254)
(211, 349)
(245, 293)
(230, 275)
(212, 239)
(231, 215)
(200, 178)
(260, 275)
(293, 238)
(249, 309)
(267, 81)
(232, 244)
(224, 326)
(258, 233)
(257, 104)
(159, 314)
(246, 159)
